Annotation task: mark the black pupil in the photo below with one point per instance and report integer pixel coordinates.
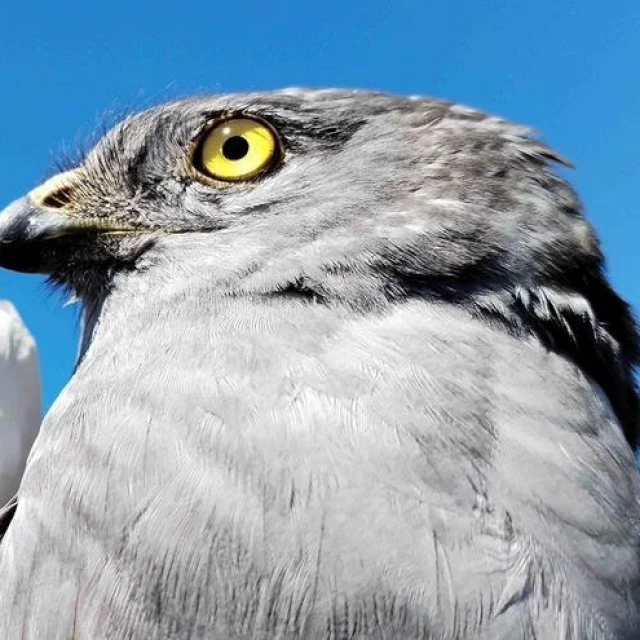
(235, 148)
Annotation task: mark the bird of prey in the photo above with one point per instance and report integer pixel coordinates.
(19, 398)
(350, 368)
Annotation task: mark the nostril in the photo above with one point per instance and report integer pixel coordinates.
(58, 199)
(59, 192)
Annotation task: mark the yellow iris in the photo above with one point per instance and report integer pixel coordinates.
(237, 149)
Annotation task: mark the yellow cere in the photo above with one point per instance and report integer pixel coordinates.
(237, 149)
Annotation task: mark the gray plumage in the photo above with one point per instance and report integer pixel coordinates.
(383, 391)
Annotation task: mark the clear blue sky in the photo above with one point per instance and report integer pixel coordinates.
(568, 68)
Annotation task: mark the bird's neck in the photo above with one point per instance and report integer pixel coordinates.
(469, 391)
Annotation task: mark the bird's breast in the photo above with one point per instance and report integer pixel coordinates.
(285, 469)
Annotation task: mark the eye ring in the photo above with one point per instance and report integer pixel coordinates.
(236, 148)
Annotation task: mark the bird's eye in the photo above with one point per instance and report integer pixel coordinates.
(237, 149)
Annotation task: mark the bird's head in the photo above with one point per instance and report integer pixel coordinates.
(338, 197)
(309, 187)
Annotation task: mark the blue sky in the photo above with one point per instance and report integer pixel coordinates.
(567, 68)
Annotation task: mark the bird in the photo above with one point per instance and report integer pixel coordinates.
(350, 367)
(20, 404)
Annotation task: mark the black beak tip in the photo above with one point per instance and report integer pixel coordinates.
(24, 259)
(21, 236)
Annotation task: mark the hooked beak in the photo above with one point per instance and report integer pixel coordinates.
(24, 229)
(29, 225)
